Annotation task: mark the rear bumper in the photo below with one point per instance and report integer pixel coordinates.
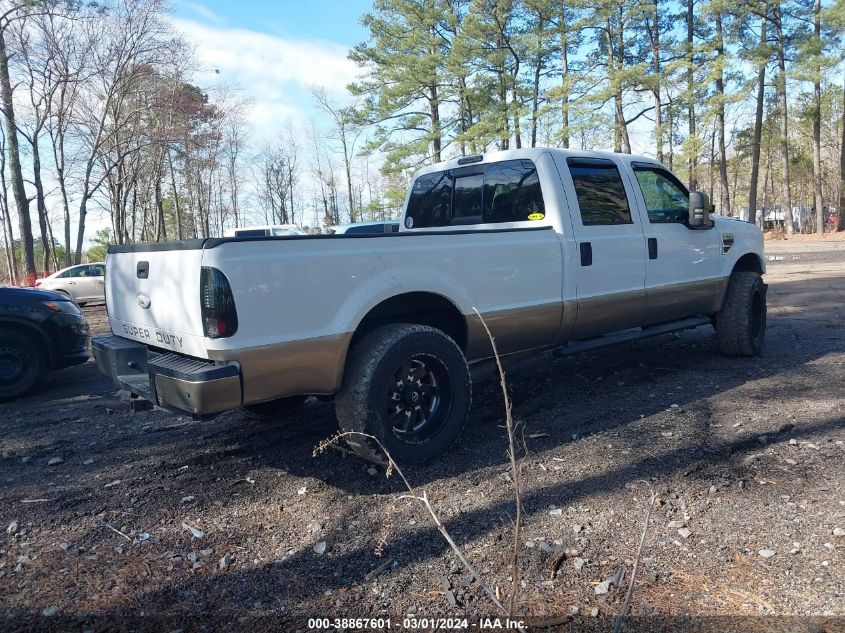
(171, 381)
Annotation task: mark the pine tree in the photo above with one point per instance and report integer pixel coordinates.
(407, 83)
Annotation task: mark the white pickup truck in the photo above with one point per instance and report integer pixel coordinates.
(554, 248)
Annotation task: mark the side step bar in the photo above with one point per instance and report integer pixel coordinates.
(630, 335)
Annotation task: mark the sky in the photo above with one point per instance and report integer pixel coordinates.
(271, 52)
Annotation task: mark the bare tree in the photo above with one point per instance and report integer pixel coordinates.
(5, 218)
(346, 132)
(275, 166)
(17, 12)
(131, 37)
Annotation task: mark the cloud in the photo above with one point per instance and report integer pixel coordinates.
(202, 11)
(272, 72)
(268, 64)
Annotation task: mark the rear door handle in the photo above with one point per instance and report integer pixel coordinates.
(586, 253)
(652, 248)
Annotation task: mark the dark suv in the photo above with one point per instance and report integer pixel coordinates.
(39, 331)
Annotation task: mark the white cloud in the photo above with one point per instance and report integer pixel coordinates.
(272, 72)
(202, 11)
(265, 65)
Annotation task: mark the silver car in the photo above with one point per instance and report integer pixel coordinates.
(82, 283)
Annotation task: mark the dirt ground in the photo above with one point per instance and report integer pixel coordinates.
(747, 457)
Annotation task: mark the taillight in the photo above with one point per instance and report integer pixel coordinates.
(219, 317)
(37, 283)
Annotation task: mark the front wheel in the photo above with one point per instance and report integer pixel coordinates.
(21, 364)
(409, 387)
(741, 323)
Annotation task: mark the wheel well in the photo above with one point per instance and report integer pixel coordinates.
(423, 308)
(750, 263)
(38, 339)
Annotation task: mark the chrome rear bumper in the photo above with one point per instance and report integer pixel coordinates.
(171, 381)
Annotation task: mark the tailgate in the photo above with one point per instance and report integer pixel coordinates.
(153, 295)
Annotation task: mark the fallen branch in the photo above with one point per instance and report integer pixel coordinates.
(617, 624)
(378, 570)
(516, 468)
(116, 531)
(392, 466)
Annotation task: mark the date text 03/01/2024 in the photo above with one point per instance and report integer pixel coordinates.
(414, 623)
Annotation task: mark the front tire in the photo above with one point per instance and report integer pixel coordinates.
(21, 364)
(409, 387)
(741, 323)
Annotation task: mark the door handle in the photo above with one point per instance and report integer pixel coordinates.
(71, 283)
(586, 253)
(652, 248)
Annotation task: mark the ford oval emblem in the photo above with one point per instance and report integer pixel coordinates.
(144, 301)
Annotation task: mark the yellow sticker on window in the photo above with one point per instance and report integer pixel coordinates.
(536, 216)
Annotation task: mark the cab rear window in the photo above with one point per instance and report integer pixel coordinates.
(507, 191)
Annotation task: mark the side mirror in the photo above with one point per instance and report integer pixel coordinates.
(699, 209)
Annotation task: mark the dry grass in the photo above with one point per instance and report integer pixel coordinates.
(730, 592)
(777, 234)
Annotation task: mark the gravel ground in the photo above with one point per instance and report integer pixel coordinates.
(746, 457)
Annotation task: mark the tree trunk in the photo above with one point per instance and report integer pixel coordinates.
(46, 239)
(786, 201)
(8, 242)
(670, 113)
(655, 66)
(617, 98)
(21, 201)
(436, 139)
(817, 126)
(690, 62)
(347, 164)
(690, 73)
(535, 94)
(564, 54)
(620, 112)
(176, 205)
(6, 215)
(758, 128)
(841, 223)
(720, 121)
(517, 134)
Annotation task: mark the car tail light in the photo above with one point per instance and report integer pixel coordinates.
(219, 317)
(37, 283)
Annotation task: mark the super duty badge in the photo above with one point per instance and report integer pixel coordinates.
(153, 335)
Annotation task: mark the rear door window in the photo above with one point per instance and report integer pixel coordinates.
(507, 191)
(600, 191)
(512, 192)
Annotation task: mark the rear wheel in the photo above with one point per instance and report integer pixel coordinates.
(21, 364)
(276, 408)
(409, 387)
(741, 323)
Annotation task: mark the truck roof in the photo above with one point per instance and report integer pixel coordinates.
(532, 153)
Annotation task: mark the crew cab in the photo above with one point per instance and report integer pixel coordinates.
(550, 248)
